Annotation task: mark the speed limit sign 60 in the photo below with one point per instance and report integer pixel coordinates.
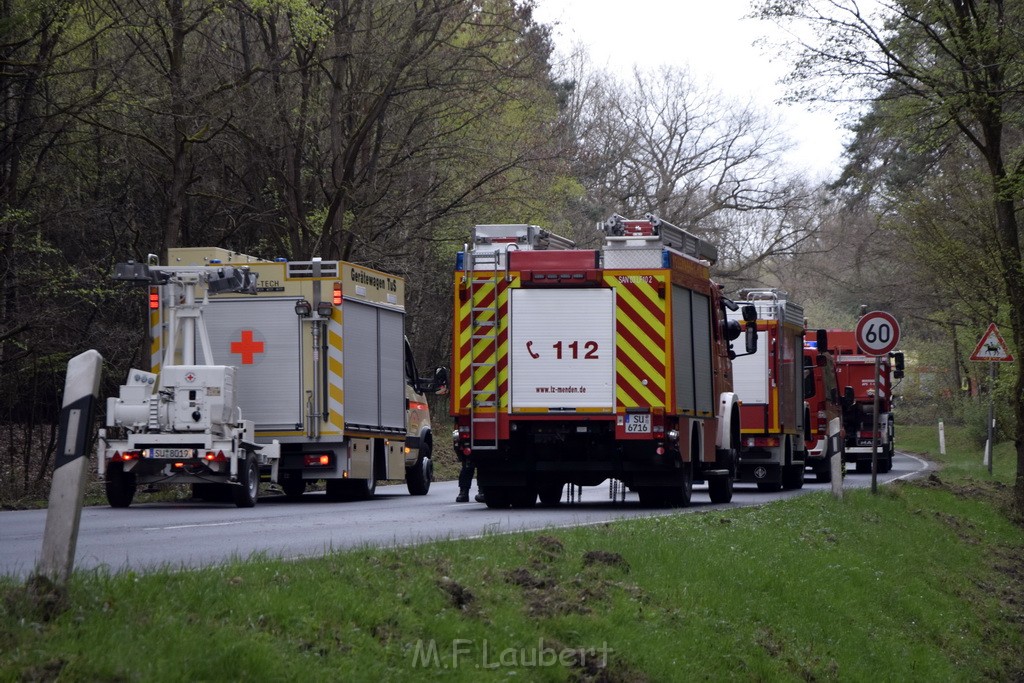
(878, 333)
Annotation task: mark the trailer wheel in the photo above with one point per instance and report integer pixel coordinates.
(419, 476)
(120, 486)
(248, 488)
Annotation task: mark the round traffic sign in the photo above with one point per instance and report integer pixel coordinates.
(878, 333)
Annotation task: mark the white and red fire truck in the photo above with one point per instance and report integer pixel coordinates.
(573, 366)
(282, 371)
(856, 370)
(826, 436)
(770, 384)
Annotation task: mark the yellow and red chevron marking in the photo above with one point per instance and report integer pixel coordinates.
(480, 292)
(641, 338)
(156, 341)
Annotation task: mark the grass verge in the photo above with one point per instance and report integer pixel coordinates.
(923, 582)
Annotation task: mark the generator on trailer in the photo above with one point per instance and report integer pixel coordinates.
(770, 384)
(825, 432)
(573, 366)
(281, 371)
(856, 374)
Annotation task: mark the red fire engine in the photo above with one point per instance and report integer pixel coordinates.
(579, 365)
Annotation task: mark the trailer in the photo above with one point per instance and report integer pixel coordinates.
(575, 366)
(287, 372)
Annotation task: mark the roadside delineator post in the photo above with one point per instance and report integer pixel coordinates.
(942, 438)
(67, 491)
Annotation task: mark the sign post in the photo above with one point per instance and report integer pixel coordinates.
(877, 333)
(991, 349)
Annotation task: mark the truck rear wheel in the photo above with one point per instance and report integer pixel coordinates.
(720, 489)
(248, 488)
(120, 486)
(497, 497)
(793, 477)
(293, 488)
(551, 494)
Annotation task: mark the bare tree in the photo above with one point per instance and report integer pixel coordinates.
(663, 143)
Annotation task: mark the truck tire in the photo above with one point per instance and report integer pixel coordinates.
(793, 477)
(419, 476)
(551, 493)
(680, 496)
(346, 490)
(293, 488)
(823, 473)
(248, 488)
(720, 489)
(120, 486)
(497, 497)
(522, 497)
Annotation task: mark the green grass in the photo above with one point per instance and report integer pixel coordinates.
(922, 582)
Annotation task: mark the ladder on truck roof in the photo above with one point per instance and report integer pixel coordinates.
(625, 233)
(485, 401)
(485, 321)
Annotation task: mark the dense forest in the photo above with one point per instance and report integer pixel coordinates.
(381, 131)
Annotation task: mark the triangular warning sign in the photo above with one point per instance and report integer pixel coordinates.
(992, 347)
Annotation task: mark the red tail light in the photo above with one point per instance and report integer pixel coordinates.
(215, 457)
(154, 298)
(127, 456)
(336, 299)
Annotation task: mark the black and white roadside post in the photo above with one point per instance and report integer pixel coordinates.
(81, 388)
(991, 349)
(877, 333)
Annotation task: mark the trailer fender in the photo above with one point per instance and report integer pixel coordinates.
(728, 411)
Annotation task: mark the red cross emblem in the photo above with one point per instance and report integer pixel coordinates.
(247, 347)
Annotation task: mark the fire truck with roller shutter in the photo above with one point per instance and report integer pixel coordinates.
(770, 385)
(826, 435)
(856, 374)
(283, 371)
(573, 366)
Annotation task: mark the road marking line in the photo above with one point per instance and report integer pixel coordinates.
(188, 526)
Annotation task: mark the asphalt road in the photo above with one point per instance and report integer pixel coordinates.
(194, 534)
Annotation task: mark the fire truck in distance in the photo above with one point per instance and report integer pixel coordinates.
(855, 372)
(826, 436)
(770, 384)
(281, 371)
(573, 366)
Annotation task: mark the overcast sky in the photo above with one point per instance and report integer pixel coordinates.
(713, 39)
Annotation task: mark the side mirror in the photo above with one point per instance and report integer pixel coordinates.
(897, 359)
(822, 337)
(751, 338)
(820, 360)
(440, 381)
(749, 313)
(732, 330)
